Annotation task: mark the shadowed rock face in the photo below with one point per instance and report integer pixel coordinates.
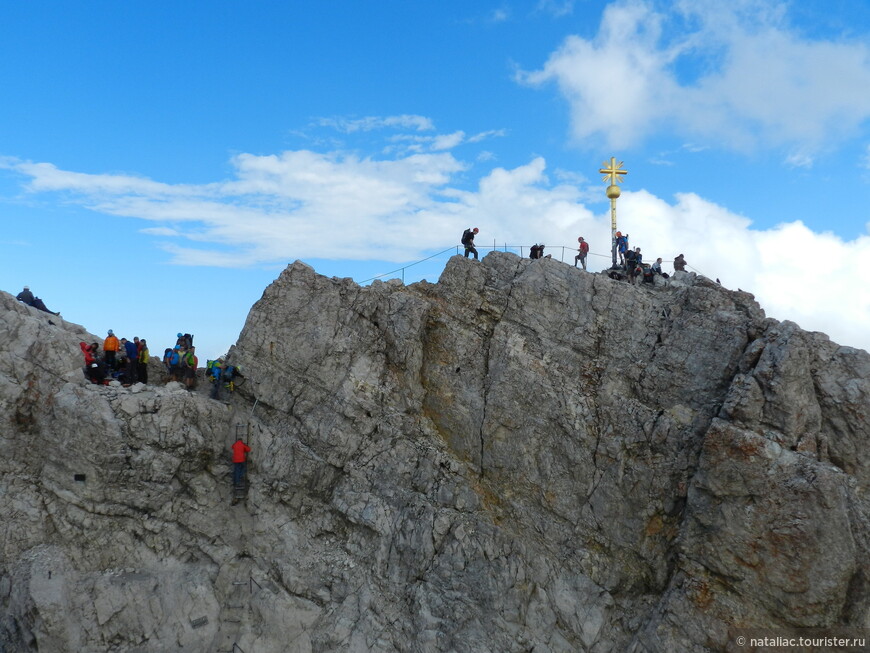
(521, 457)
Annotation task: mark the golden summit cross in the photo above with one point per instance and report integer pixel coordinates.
(614, 173)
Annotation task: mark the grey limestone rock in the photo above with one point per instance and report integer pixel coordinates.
(523, 456)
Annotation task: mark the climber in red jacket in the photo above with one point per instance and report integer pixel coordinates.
(240, 449)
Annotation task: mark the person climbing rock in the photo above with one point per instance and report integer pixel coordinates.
(468, 241)
(216, 373)
(582, 251)
(240, 452)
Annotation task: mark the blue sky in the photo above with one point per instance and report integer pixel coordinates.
(161, 162)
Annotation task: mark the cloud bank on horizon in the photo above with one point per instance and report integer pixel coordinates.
(416, 193)
(761, 82)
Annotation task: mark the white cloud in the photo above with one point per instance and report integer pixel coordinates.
(303, 204)
(557, 8)
(371, 123)
(754, 78)
(448, 141)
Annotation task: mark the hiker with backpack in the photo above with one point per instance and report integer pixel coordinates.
(621, 246)
(174, 363)
(630, 265)
(582, 251)
(468, 241)
(189, 361)
(216, 372)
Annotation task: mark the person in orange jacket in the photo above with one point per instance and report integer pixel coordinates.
(111, 345)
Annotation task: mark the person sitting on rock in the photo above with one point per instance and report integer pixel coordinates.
(536, 251)
(94, 370)
(657, 268)
(40, 305)
(25, 296)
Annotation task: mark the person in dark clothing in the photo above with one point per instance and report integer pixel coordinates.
(680, 264)
(132, 352)
(536, 251)
(40, 305)
(468, 241)
(25, 296)
(629, 265)
(217, 373)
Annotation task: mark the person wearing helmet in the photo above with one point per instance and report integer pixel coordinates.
(468, 241)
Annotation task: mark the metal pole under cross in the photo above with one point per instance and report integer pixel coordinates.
(613, 174)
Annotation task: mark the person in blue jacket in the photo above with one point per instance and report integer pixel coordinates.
(132, 351)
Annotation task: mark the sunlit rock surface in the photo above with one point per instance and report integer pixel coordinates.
(521, 457)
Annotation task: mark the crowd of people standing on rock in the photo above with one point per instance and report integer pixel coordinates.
(630, 266)
(125, 361)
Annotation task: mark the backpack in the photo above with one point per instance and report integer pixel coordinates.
(467, 235)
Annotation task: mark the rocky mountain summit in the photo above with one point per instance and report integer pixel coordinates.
(521, 457)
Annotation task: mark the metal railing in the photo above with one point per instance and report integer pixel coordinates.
(521, 249)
